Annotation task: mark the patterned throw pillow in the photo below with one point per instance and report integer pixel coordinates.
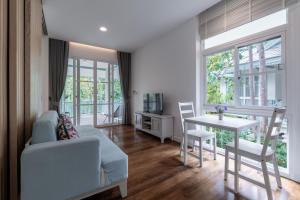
(71, 131)
(61, 132)
(66, 129)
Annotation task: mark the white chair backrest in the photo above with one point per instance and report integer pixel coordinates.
(274, 128)
(186, 109)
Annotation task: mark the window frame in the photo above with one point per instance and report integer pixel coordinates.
(263, 111)
(236, 108)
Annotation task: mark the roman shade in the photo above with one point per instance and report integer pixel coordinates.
(229, 14)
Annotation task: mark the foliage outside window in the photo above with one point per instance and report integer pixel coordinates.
(220, 74)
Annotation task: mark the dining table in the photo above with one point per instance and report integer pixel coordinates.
(233, 124)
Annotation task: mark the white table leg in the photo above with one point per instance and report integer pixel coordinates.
(185, 145)
(236, 163)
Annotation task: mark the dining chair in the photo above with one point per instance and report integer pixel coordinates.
(260, 153)
(186, 110)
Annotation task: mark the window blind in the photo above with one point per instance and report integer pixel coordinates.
(229, 14)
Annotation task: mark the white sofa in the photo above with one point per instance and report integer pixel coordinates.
(54, 169)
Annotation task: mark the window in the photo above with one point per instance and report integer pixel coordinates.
(248, 75)
(220, 77)
(260, 73)
(257, 79)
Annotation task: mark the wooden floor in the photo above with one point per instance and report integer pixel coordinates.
(156, 172)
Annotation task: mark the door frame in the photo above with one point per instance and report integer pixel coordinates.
(76, 92)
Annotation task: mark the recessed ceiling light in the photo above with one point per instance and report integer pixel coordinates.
(103, 29)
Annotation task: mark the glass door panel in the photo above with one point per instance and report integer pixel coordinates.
(68, 99)
(109, 97)
(103, 94)
(86, 92)
(117, 100)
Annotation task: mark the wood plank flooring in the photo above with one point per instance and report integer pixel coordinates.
(156, 172)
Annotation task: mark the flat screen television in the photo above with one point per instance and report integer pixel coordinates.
(153, 103)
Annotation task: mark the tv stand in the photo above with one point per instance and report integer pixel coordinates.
(158, 125)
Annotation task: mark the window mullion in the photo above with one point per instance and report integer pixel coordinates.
(74, 91)
(236, 77)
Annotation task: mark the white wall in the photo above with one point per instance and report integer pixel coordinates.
(167, 64)
(293, 94)
(78, 50)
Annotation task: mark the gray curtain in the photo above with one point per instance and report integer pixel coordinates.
(124, 61)
(58, 67)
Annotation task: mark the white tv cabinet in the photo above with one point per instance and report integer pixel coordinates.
(158, 125)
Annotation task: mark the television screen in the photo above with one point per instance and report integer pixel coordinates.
(153, 103)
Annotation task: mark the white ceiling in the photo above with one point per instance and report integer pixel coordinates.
(130, 23)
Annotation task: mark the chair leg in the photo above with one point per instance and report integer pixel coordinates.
(200, 152)
(276, 170)
(267, 180)
(226, 164)
(215, 147)
(193, 147)
(181, 147)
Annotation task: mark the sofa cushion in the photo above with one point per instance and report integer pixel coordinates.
(44, 129)
(113, 160)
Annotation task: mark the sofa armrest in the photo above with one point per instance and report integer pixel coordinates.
(61, 169)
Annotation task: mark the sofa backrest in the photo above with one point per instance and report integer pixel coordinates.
(44, 129)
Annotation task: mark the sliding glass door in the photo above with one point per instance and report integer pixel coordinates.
(85, 97)
(92, 94)
(104, 108)
(108, 96)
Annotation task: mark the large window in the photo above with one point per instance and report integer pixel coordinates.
(256, 80)
(248, 76)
